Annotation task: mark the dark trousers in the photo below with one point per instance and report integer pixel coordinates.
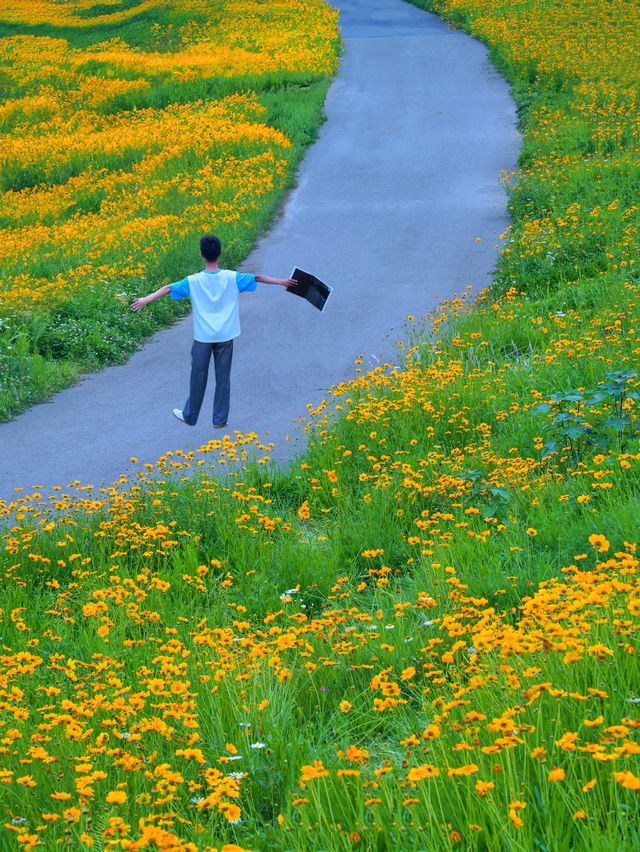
(200, 359)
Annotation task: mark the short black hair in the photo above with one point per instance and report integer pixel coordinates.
(210, 247)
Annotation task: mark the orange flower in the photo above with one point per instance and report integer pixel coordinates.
(424, 771)
(315, 771)
(304, 511)
(627, 779)
(233, 847)
(232, 813)
(116, 797)
(469, 769)
(557, 774)
(599, 542)
(431, 732)
(514, 807)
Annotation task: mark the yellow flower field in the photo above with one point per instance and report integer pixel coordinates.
(129, 129)
(423, 634)
(81, 143)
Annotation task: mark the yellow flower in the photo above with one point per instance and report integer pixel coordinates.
(599, 542)
(72, 814)
(514, 807)
(345, 706)
(304, 511)
(469, 769)
(627, 779)
(116, 797)
(232, 813)
(431, 732)
(424, 771)
(557, 774)
(315, 771)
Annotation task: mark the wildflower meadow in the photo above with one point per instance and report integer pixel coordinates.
(420, 634)
(126, 128)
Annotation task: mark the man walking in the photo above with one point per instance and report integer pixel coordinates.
(216, 322)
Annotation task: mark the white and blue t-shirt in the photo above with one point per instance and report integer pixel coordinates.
(214, 298)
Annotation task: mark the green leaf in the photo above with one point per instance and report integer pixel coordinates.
(574, 432)
(600, 440)
(501, 492)
(598, 397)
(618, 423)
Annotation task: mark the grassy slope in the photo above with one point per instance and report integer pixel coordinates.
(421, 634)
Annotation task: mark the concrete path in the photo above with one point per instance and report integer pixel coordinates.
(389, 203)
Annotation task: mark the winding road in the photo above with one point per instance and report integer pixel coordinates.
(389, 204)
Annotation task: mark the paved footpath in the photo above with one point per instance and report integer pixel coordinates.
(388, 206)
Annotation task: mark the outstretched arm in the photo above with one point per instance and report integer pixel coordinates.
(138, 304)
(283, 282)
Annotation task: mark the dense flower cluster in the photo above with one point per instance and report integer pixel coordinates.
(105, 179)
(423, 633)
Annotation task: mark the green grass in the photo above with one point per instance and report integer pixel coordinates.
(432, 546)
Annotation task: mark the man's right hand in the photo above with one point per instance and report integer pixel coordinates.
(138, 304)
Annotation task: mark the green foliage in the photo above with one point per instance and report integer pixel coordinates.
(427, 535)
(572, 417)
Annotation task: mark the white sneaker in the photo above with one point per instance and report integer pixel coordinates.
(178, 415)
